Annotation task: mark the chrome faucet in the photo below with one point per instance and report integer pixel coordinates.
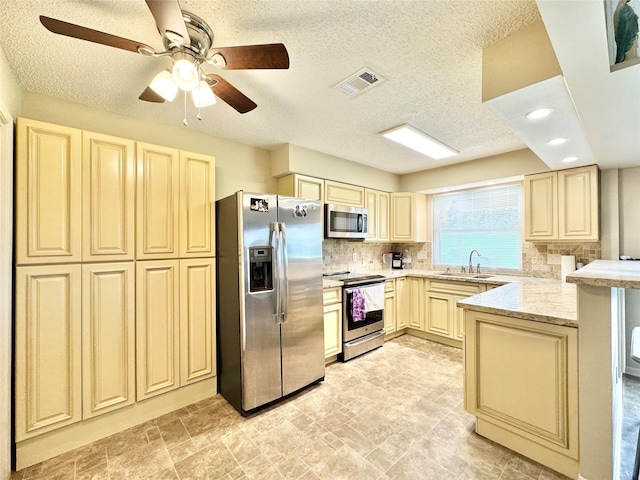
(471, 264)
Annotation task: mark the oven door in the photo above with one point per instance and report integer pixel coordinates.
(363, 310)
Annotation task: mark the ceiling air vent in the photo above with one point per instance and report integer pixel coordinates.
(359, 82)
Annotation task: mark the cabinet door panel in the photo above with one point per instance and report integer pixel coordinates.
(416, 308)
(48, 372)
(197, 327)
(382, 218)
(109, 203)
(578, 204)
(157, 327)
(389, 312)
(311, 188)
(371, 204)
(197, 197)
(157, 202)
(48, 193)
(403, 296)
(439, 319)
(332, 329)
(108, 337)
(343, 194)
(541, 206)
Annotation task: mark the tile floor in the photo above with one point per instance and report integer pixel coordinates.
(394, 413)
(630, 425)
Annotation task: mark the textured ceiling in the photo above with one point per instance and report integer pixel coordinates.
(429, 52)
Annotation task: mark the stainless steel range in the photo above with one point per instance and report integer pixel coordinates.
(362, 312)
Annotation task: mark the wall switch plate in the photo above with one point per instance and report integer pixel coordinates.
(422, 255)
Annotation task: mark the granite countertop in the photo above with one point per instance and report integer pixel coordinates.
(536, 299)
(608, 273)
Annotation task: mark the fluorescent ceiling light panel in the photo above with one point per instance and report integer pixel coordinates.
(557, 141)
(419, 141)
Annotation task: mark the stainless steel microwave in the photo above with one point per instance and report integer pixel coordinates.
(345, 222)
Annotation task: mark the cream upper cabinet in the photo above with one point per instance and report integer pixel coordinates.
(578, 204)
(332, 304)
(301, 186)
(108, 337)
(343, 194)
(157, 202)
(157, 327)
(521, 382)
(197, 326)
(48, 372)
(562, 205)
(197, 205)
(377, 203)
(408, 218)
(48, 193)
(108, 198)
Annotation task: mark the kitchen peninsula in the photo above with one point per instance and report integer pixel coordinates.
(601, 291)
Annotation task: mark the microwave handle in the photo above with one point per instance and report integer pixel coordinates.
(360, 222)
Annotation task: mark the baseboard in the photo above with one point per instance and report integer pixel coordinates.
(51, 444)
(633, 371)
(435, 338)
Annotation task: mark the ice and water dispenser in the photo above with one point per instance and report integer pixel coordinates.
(260, 269)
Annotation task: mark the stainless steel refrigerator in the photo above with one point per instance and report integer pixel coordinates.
(270, 327)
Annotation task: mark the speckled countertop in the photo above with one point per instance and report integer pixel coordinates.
(529, 298)
(608, 273)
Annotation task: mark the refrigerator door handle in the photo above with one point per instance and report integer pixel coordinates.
(285, 273)
(275, 236)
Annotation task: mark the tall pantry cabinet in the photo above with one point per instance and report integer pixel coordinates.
(94, 215)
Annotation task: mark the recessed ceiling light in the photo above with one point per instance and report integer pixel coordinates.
(557, 141)
(539, 113)
(419, 141)
(569, 159)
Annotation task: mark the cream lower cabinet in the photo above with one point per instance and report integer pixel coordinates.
(390, 306)
(402, 303)
(332, 304)
(415, 287)
(521, 383)
(108, 337)
(48, 376)
(443, 318)
(174, 307)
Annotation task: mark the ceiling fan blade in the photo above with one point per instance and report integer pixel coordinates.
(230, 94)
(150, 96)
(84, 33)
(272, 55)
(168, 17)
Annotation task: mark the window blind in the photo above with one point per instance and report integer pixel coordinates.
(486, 219)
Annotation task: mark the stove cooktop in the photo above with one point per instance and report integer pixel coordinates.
(349, 278)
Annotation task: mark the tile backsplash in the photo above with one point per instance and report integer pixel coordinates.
(538, 259)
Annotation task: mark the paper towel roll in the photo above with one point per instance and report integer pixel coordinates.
(567, 265)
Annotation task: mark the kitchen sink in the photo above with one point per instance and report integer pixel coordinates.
(466, 275)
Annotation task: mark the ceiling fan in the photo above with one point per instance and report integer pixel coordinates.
(188, 40)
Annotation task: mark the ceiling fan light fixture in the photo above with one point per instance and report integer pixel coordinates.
(419, 141)
(185, 74)
(164, 86)
(203, 95)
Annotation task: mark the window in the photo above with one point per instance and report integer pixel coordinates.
(486, 219)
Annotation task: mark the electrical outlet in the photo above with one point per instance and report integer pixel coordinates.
(354, 257)
(422, 255)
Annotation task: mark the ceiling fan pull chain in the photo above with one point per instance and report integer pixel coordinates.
(199, 117)
(184, 122)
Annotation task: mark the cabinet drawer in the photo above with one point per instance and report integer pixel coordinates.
(331, 295)
(390, 286)
(457, 288)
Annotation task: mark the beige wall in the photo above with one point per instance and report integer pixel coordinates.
(238, 166)
(10, 98)
(505, 165)
(294, 159)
